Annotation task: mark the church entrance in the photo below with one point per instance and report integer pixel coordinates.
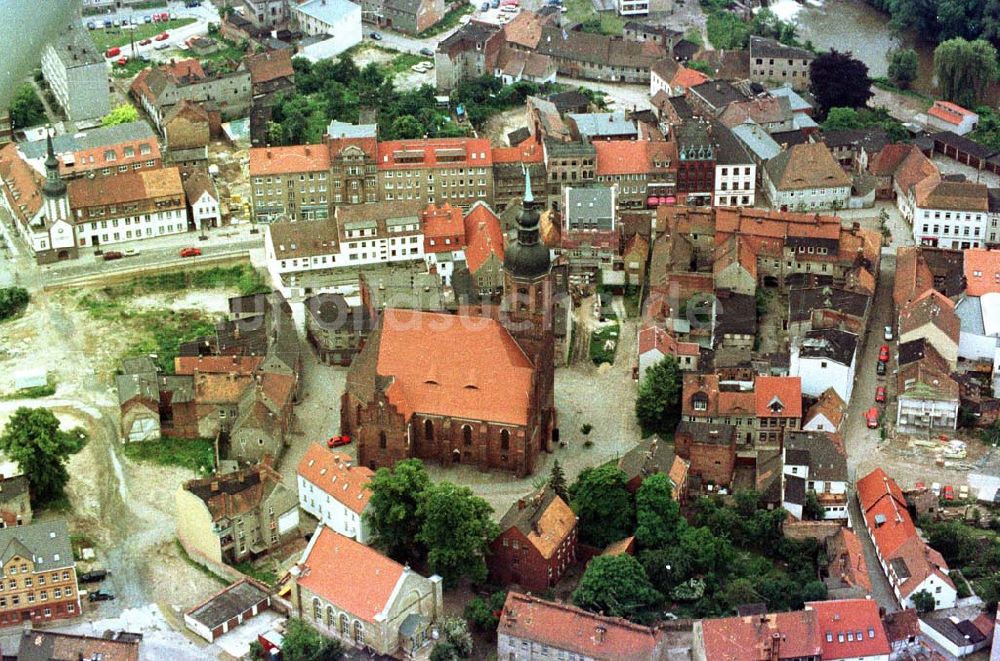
(456, 457)
(62, 255)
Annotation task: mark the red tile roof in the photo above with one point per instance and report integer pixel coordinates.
(21, 183)
(566, 627)
(872, 487)
(687, 78)
(528, 151)
(949, 112)
(483, 236)
(851, 628)
(901, 625)
(621, 157)
(753, 637)
(349, 575)
(437, 152)
(847, 560)
(444, 364)
(786, 390)
(886, 161)
(654, 337)
(440, 223)
(334, 473)
(217, 364)
(914, 168)
(125, 187)
(776, 224)
(288, 160)
(913, 276)
(270, 65)
(982, 271)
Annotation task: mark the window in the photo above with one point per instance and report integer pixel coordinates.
(467, 435)
(504, 439)
(382, 441)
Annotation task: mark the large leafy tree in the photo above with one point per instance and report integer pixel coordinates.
(26, 108)
(604, 505)
(658, 403)
(303, 643)
(41, 449)
(616, 585)
(903, 67)
(392, 511)
(13, 301)
(964, 69)
(837, 79)
(121, 114)
(658, 515)
(456, 528)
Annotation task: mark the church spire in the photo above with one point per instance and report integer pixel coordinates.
(527, 257)
(54, 185)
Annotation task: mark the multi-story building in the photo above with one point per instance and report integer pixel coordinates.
(806, 177)
(411, 16)
(100, 151)
(825, 358)
(339, 20)
(599, 57)
(271, 73)
(509, 165)
(457, 171)
(334, 491)
(134, 205)
(6, 128)
(735, 171)
(39, 645)
(643, 7)
(39, 575)
(77, 74)
(469, 52)
(761, 408)
(353, 172)
(951, 214)
(773, 62)
(625, 166)
(568, 163)
(290, 183)
(229, 518)
(335, 328)
(159, 89)
(813, 462)
(267, 13)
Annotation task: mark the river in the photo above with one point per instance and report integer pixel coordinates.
(853, 25)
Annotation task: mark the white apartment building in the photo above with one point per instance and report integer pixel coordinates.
(817, 464)
(825, 359)
(643, 7)
(333, 490)
(77, 74)
(951, 214)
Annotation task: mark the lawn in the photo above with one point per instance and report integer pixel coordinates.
(196, 454)
(265, 576)
(402, 62)
(582, 11)
(131, 68)
(105, 38)
(229, 50)
(598, 353)
(450, 20)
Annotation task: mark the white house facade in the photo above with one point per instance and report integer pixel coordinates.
(333, 490)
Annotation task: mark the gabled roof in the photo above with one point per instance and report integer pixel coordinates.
(872, 487)
(949, 112)
(932, 193)
(483, 236)
(778, 396)
(885, 162)
(931, 307)
(851, 628)
(830, 406)
(288, 160)
(921, 381)
(269, 65)
(982, 271)
(125, 187)
(914, 168)
(655, 338)
(47, 544)
(335, 474)
(823, 454)
(38, 645)
(901, 625)
(847, 560)
(753, 637)
(330, 568)
(806, 166)
(235, 493)
(544, 518)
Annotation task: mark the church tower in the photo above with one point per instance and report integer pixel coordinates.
(55, 199)
(529, 309)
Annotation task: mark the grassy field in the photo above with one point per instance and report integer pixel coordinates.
(598, 353)
(112, 37)
(197, 454)
(580, 11)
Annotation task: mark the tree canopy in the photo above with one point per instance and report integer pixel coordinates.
(557, 482)
(121, 114)
(392, 508)
(839, 80)
(658, 515)
(617, 586)
(658, 403)
(303, 643)
(604, 505)
(964, 69)
(863, 118)
(456, 528)
(938, 20)
(13, 301)
(26, 108)
(903, 67)
(41, 449)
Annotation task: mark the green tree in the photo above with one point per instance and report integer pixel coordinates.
(839, 80)
(658, 403)
(455, 642)
(483, 614)
(812, 510)
(26, 108)
(557, 481)
(41, 449)
(604, 505)
(392, 511)
(964, 69)
(303, 643)
(456, 528)
(406, 127)
(13, 301)
(903, 67)
(658, 515)
(121, 114)
(666, 568)
(707, 553)
(617, 586)
(923, 601)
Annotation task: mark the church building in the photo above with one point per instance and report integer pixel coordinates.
(463, 389)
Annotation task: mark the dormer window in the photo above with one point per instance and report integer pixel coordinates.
(699, 401)
(776, 406)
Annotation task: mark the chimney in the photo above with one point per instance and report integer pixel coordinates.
(520, 504)
(775, 646)
(215, 485)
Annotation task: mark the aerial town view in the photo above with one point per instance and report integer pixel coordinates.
(508, 330)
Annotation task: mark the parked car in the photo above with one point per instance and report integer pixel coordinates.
(92, 576)
(145, 42)
(887, 333)
(121, 61)
(131, 252)
(112, 52)
(880, 368)
(880, 394)
(426, 52)
(190, 252)
(115, 23)
(428, 65)
(871, 418)
(883, 353)
(484, 7)
(161, 46)
(147, 19)
(112, 254)
(100, 595)
(949, 492)
(91, 25)
(163, 36)
(338, 441)
(376, 36)
(963, 492)
(936, 488)
(495, 3)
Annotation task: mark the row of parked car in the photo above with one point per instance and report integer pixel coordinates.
(161, 17)
(112, 255)
(872, 414)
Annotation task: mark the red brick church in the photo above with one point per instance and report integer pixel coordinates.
(462, 389)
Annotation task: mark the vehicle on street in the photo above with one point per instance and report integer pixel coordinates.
(115, 23)
(880, 394)
(428, 65)
(145, 42)
(100, 595)
(173, 16)
(131, 252)
(949, 492)
(495, 3)
(111, 255)
(963, 492)
(112, 52)
(871, 418)
(418, 67)
(190, 252)
(121, 61)
(338, 441)
(427, 52)
(936, 488)
(92, 576)
(147, 19)
(880, 368)
(376, 36)
(91, 25)
(887, 333)
(484, 7)
(883, 353)
(161, 46)
(163, 36)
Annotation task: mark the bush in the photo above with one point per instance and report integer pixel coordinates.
(13, 301)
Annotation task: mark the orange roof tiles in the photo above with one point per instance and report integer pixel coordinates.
(778, 396)
(621, 157)
(913, 276)
(876, 484)
(921, 562)
(125, 187)
(829, 405)
(349, 575)
(270, 65)
(288, 160)
(528, 151)
(552, 527)
(21, 183)
(483, 236)
(334, 474)
(931, 307)
(848, 560)
(949, 112)
(914, 168)
(216, 364)
(776, 224)
(854, 626)
(982, 271)
(566, 627)
(654, 337)
(440, 223)
(437, 152)
(687, 78)
(752, 637)
(444, 364)
(886, 161)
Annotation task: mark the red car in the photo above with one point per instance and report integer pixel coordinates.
(949, 492)
(163, 36)
(337, 441)
(880, 394)
(190, 252)
(121, 61)
(883, 353)
(145, 42)
(871, 417)
(112, 254)
(113, 52)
